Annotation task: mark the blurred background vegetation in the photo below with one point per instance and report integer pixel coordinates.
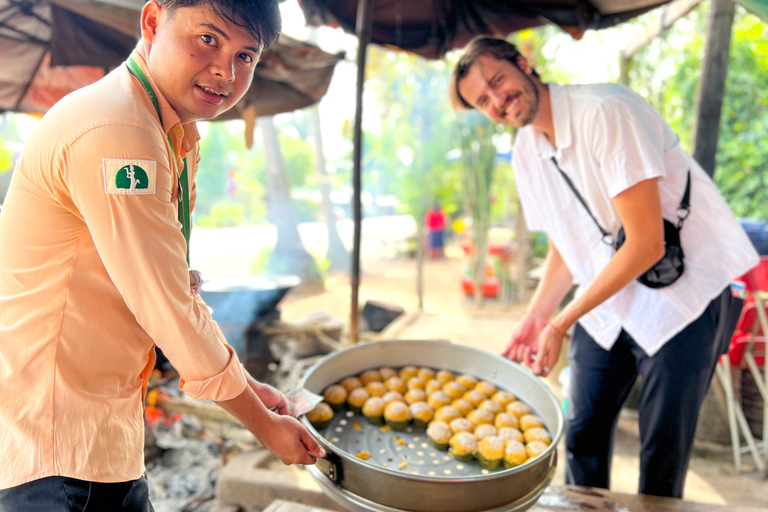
(415, 146)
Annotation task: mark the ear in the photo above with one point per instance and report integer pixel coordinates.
(523, 65)
(150, 21)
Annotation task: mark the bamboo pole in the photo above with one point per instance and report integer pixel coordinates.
(364, 26)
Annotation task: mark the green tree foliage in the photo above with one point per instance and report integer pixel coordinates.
(667, 74)
(231, 179)
(406, 150)
(6, 163)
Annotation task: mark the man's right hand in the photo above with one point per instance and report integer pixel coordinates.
(290, 441)
(524, 343)
(284, 436)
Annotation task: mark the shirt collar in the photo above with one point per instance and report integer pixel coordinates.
(561, 119)
(170, 117)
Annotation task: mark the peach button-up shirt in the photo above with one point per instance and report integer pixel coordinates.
(92, 275)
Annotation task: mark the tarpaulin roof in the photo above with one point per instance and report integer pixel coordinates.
(49, 48)
(432, 27)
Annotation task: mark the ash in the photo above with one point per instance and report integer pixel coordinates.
(183, 461)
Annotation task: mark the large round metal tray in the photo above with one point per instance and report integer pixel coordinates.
(399, 489)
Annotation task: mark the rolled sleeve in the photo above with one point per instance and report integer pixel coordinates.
(140, 244)
(227, 384)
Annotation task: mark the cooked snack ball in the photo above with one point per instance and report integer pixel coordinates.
(396, 384)
(407, 372)
(537, 434)
(392, 396)
(514, 454)
(494, 407)
(335, 396)
(439, 434)
(415, 395)
(433, 385)
(529, 421)
(466, 380)
(463, 406)
(474, 397)
(373, 410)
(356, 399)
(518, 408)
(503, 398)
(370, 376)
(510, 434)
(351, 383)
(387, 373)
(481, 416)
(484, 430)
(490, 452)
(426, 374)
(397, 415)
(438, 399)
(422, 414)
(447, 413)
(535, 448)
(463, 446)
(320, 416)
(376, 388)
(461, 425)
(504, 419)
(415, 383)
(444, 376)
(454, 390)
(486, 388)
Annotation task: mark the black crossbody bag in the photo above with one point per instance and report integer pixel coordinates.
(671, 266)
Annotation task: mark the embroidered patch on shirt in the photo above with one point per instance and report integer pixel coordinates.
(130, 177)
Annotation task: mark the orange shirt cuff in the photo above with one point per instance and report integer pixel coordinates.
(227, 384)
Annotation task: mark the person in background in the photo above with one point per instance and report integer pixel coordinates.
(609, 146)
(435, 221)
(94, 267)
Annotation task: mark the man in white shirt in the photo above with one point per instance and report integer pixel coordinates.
(627, 166)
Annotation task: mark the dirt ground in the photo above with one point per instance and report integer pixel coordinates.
(448, 315)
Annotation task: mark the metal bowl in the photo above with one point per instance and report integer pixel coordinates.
(400, 490)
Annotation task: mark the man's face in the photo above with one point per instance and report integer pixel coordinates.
(501, 91)
(202, 63)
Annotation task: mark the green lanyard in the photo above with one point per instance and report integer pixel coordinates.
(183, 207)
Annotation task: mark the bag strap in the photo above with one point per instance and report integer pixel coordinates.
(683, 210)
(607, 238)
(182, 177)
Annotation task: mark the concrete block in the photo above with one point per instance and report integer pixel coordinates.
(257, 478)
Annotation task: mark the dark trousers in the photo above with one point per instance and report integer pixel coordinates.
(674, 382)
(63, 494)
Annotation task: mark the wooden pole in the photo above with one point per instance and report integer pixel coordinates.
(709, 99)
(363, 25)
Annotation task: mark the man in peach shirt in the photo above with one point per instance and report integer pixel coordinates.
(93, 239)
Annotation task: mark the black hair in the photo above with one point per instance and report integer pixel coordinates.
(261, 18)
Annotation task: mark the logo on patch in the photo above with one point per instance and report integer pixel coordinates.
(129, 177)
(132, 177)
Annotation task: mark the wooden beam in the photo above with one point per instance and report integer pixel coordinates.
(709, 99)
(670, 13)
(364, 26)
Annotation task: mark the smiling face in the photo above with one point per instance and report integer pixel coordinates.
(202, 63)
(502, 91)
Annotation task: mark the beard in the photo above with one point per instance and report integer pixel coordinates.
(529, 98)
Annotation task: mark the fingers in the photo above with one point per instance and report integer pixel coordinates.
(312, 446)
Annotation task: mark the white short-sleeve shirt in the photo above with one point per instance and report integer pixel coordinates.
(609, 139)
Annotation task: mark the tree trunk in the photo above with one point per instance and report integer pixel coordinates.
(709, 100)
(337, 255)
(289, 255)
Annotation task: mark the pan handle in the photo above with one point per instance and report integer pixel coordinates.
(331, 466)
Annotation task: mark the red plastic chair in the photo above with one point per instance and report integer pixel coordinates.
(747, 351)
